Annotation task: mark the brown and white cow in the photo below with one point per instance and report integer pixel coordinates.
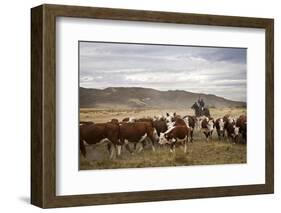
(175, 135)
(198, 121)
(242, 124)
(99, 133)
(137, 132)
(191, 124)
(227, 119)
(232, 130)
(207, 127)
(219, 124)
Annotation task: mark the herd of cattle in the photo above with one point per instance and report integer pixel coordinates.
(171, 129)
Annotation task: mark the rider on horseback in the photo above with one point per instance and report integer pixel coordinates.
(201, 103)
(200, 109)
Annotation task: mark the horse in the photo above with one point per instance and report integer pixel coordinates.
(199, 112)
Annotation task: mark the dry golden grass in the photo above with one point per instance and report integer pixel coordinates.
(105, 115)
(199, 153)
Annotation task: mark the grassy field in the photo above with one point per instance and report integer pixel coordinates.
(199, 153)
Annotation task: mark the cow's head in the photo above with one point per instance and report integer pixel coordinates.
(159, 118)
(235, 133)
(231, 120)
(198, 122)
(170, 117)
(221, 124)
(236, 130)
(162, 139)
(210, 124)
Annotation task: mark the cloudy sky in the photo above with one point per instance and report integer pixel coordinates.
(210, 70)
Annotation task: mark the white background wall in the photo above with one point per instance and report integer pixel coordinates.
(15, 104)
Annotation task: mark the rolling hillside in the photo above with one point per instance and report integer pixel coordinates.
(136, 97)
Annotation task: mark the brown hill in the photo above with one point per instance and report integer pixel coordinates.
(137, 97)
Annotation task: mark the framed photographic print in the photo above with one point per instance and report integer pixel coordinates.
(137, 106)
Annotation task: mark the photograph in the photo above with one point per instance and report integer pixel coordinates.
(159, 105)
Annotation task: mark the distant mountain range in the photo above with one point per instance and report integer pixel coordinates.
(137, 97)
